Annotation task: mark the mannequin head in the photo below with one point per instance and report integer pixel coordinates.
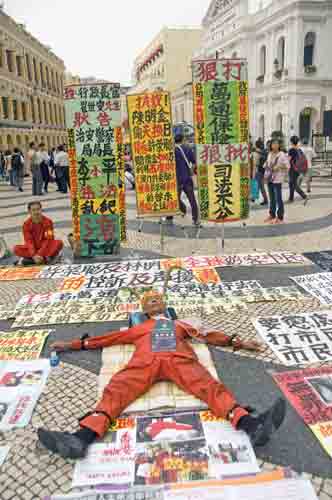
(153, 303)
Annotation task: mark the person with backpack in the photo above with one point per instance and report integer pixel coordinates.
(44, 166)
(276, 168)
(309, 154)
(298, 166)
(184, 159)
(18, 169)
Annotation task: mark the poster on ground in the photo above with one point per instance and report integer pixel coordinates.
(150, 123)
(22, 344)
(21, 383)
(298, 338)
(96, 163)
(310, 393)
(221, 118)
(168, 449)
(318, 285)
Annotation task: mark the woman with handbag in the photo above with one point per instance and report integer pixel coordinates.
(276, 169)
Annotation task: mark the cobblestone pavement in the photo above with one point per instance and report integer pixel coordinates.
(30, 472)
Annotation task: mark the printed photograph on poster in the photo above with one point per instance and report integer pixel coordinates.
(172, 427)
(171, 462)
(231, 452)
(323, 388)
(21, 383)
(298, 338)
(310, 392)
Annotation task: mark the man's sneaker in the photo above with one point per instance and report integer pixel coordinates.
(197, 224)
(65, 444)
(306, 200)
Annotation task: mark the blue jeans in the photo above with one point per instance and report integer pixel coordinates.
(276, 203)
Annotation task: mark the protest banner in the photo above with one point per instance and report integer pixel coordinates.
(6, 312)
(22, 344)
(19, 273)
(318, 285)
(95, 150)
(321, 259)
(221, 117)
(298, 338)
(153, 153)
(310, 393)
(21, 383)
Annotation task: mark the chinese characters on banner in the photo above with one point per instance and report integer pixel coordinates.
(22, 344)
(153, 154)
(96, 162)
(299, 338)
(221, 119)
(319, 285)
(310, 393)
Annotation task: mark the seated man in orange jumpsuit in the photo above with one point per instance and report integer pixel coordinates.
(39, 247)
(162, 353)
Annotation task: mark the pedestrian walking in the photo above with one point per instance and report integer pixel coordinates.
(28, 158)
(8, 167)
(44, 166)
(296, 158)
(276, 168)
(260, 157)
(2, 166)
(309, 154)
(37, 178)
(18, 169)
(185, 160)
(62, 169)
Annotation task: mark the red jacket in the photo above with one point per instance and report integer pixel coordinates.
(38, 236)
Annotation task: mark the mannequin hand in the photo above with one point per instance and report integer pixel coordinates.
(252, 345)
(60, 346)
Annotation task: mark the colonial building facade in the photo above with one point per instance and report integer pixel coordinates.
(31, 89)
(286, 43)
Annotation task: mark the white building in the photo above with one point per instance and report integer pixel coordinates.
(286, 43)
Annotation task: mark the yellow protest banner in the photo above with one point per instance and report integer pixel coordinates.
(150, 125)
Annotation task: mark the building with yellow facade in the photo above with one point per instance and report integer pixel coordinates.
(31, 89)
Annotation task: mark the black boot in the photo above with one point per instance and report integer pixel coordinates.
(65, 444)
(261, 428)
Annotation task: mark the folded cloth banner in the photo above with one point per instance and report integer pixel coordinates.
(319, 285)
(22, 344)
(310, 393)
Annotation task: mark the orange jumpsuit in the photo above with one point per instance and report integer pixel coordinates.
(38, 240)
(147, 367)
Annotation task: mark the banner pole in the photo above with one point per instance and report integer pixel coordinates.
(162, 236)
(222, 241)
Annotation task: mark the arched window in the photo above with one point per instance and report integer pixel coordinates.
(262, 127)
(309, 49)
(279, 123)
(262, 61)
(281, 53)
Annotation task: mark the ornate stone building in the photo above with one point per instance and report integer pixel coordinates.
(286, 43)
(31, 89)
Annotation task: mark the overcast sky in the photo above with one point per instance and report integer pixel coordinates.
(101, 38)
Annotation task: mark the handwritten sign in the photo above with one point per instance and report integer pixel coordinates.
(221, 116)
(153, 154)
(95, 149)
(22, 344)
